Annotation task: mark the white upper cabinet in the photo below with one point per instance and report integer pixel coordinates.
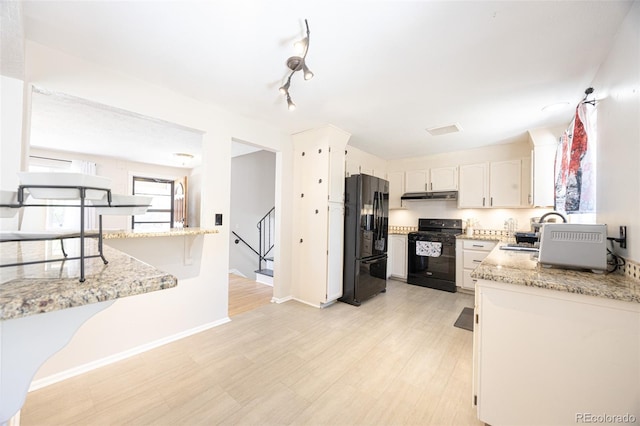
(416, 181)
(474, 186)
(436, 179)
(443, 179)
(527, 182)
(351, 168)
(396, 189)
(544, 158)
(496, 184)
(545, 144)
(505, 183)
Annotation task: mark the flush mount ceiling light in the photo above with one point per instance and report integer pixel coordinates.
(297, 63)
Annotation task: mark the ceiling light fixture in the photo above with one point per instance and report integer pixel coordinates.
(297, 63)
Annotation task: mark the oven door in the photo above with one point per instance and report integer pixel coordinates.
(432, 271)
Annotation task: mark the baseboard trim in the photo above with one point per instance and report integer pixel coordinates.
(85, 368)
(281, 299)
(237, 272)
(307, 303)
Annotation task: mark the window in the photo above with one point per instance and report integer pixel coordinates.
(55, 217)
(159, 216)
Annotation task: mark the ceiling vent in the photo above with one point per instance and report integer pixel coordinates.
(443, 130)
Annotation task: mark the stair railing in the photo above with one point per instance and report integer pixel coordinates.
(266, 237)
(266, 231)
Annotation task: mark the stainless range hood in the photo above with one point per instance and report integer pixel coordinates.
(449, 195)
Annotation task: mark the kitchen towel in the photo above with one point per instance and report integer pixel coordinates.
(428, 248)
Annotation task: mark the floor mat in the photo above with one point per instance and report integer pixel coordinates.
(465, 320)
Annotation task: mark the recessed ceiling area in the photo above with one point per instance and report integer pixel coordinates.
(67, 123)
(384, 71)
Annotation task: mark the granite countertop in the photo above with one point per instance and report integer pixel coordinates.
(173, 232)
(46, 287)
(522, 268)
(480, 237)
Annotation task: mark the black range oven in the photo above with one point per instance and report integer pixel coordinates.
(432, 254)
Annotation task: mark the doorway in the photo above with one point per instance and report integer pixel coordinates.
(252, 207)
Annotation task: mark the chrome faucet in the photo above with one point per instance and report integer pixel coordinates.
(564, 219)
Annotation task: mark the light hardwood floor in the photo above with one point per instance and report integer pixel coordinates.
(395, 360)
(246, 295)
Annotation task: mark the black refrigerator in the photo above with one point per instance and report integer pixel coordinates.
(366, 219)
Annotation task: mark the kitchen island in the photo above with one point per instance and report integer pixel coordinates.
(554, 346)
(42, 305)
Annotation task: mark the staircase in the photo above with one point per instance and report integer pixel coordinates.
(266, 239)
(265, 275)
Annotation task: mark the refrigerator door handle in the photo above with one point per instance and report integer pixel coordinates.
(374, 260)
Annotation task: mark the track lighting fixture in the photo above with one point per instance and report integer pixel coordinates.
(297, 63)
(290, 103)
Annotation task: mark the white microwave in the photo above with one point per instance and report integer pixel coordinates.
(572, 245)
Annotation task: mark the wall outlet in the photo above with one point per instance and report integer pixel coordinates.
(218, 219)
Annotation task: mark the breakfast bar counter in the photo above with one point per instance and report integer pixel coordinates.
(173, 232)
(46, 287)
(42, 305)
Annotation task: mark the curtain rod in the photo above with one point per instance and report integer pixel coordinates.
(49, 158)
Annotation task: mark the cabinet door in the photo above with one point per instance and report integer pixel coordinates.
(416, 180)
(544, 158)
(351, 168)
(443, 179)
(312, 167)
(504, 184)
(335, 173)
(527, 182)
(473, 186)
(398, 255)
(335, 254)
(396, 189)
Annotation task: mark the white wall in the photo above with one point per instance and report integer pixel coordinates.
(11, 106)
(197, 301)
(470, 156)
(252, 196)
(618, 181)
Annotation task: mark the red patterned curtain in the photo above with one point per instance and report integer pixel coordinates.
(575, 171)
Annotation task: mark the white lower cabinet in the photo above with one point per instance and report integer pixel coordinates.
(469, 254)
(547, 357)
(397, 262)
